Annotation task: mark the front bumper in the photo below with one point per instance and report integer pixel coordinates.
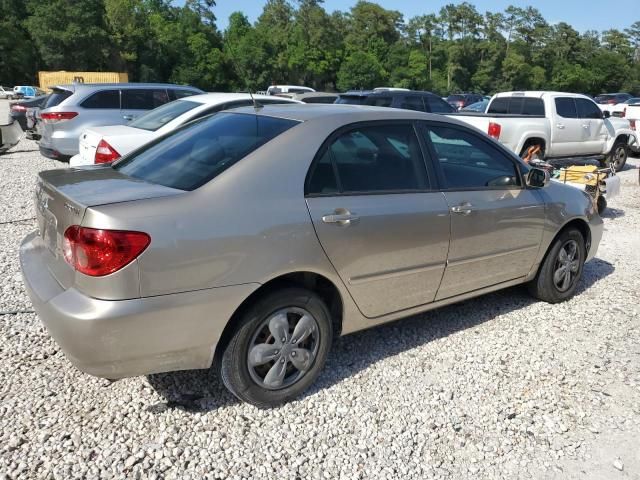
(123, 338)
(596, 226)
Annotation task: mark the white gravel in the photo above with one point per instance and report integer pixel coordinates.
(497, 387)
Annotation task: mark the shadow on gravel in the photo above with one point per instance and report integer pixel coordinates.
(613, 213)
(202, 390)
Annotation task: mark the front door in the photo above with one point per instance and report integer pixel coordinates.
(383, 228)
(567, 131)
(595, 133)
(496, 223)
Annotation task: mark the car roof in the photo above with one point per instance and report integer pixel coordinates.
(214, 98)
(385, 93)
(341, 113)
(74, 87)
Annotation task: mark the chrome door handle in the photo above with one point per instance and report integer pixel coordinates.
(585, 126)
(343, 219)
(560, 126)
(463, 209)
(128, 117)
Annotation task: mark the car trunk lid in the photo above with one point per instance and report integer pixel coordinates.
(63, 196)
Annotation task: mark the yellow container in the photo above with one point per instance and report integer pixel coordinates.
(586, 174)
(51, 79)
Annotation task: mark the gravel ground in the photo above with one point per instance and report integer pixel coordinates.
(496, 387)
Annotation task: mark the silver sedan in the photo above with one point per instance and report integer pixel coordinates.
(249, 239)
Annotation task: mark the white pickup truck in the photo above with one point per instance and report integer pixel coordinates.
(549, 125)
(632, 114)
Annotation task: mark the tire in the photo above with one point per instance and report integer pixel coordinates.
(293, 370)
(618, 156)
(601, 204)
(544, 286)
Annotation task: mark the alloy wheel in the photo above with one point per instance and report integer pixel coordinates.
(283, 348)
(567, 266)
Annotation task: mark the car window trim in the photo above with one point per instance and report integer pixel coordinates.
(440, 174)
(354, 126)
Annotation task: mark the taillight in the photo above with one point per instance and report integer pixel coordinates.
(18, 108)
(494, 130)
(105, 153)
(96, 252)
(53, 117)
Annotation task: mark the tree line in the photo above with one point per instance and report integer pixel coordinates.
(455, 49)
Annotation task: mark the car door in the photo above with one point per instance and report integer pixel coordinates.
(496, 223)
(594, 131)
(382, 226)
(567, 131)
(136, 101)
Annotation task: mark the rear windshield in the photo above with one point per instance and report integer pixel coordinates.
(196, 153)
(604, 98)
(160, 116)
(517, 106)
(57, 97)
(455, 98)
(375, 100)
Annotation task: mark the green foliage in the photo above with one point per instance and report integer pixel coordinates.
(299, 42)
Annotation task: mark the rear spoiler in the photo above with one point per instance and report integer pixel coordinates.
(10, 135)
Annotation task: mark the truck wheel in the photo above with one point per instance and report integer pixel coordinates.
(560, 272)
(618, 156)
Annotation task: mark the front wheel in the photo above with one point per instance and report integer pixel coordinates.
(560, 272)
(279, 348)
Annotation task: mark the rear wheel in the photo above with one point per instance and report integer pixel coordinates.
(618, 156)
(560, 272)
(279, 348)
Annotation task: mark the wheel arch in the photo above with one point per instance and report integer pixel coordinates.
(579, 224)
(312, 281)
(532, 141)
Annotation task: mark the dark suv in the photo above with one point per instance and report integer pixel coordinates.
(461, 100)
(407, 99)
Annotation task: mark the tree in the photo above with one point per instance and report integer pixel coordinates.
(361, 70)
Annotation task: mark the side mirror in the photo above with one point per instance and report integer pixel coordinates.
(537, 178)
(606, 114)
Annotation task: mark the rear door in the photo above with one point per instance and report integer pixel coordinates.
(384, 229)
(136, 101)
(568, 135)
(496, 223)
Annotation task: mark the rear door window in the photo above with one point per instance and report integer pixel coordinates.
(103, 99)
(143, 99)
(437, 105)
(588, 109)
(162, 115)
(371, 159)
(196, 153)
(413, 102)
(566, 107)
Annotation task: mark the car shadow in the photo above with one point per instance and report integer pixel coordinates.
(202, 390)
(612, 213)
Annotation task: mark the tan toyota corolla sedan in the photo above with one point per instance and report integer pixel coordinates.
(249, 239)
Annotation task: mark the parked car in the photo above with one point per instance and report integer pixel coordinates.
(18, 109)
(410, 100)
(6, 92)
(10, 135)
(311, 97)
(547, 125)
(226, 243)
(612, 98)
(277, 89)
(25, 91)
(632, 114)
(71, 109)
(106, 144)
(461, 100)
(480, 107)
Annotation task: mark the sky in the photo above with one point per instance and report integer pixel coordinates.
(581, 14)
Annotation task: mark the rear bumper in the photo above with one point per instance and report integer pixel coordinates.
(122, 338)
(53, 153)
